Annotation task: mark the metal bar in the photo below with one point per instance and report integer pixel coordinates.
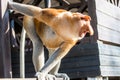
(22, 54)
(47, 3)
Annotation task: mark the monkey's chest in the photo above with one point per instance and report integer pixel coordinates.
(49, 38)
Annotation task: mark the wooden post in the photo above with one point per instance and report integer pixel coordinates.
(5, 52)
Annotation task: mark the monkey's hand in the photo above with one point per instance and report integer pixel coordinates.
(62, 75)
(50, 77)
(40, 76)
(43, 76)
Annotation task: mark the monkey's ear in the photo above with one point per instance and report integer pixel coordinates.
(79, 16)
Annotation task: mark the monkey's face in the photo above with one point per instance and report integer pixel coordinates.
(82, 24)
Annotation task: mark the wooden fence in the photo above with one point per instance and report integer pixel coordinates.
(99, 56)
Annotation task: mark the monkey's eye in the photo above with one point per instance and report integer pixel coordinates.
(82, 18)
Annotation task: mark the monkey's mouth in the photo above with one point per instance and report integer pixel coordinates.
(82, 34)
(86, 30)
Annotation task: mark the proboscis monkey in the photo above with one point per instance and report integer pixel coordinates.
(59, 30)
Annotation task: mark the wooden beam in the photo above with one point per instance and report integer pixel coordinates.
(5, 51)
(92, 13)
(18, 79)
(95, 78)
(24, 79)
(83, 6)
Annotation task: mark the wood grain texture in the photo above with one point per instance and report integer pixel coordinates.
(108, 21)
(108, 49)
(24, 79)
(106, 34)
(109, 59)
(108, 8)
(5, 51)
(110, 71)
(82, 61)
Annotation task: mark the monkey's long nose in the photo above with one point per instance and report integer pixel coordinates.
(91, 31)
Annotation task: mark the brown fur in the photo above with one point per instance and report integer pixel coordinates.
(57, 29)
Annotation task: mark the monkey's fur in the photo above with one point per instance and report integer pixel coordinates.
(59, 30)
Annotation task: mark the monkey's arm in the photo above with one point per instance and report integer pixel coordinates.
(56, 57)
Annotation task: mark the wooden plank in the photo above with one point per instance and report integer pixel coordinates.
(82, 72)
(83, 50)
(17, 78)
(109, 59)
(112, 61)
(5, 51)
(107, 49)
(106, 34)
(95, 78)
(108, 21)
(108, 8)
(84, 61)
(110, 71)
(24, 79)
(78, 75)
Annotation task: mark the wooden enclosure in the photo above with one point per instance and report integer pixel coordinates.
(99, 56)
(95, 56)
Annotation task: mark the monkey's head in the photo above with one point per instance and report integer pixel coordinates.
(83, 24)
(74, 25)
